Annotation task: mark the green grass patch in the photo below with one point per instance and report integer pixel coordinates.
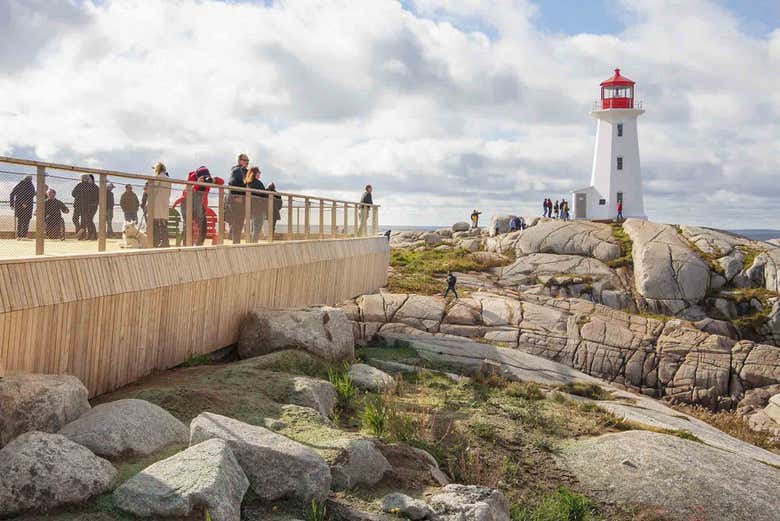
(586, 390)
(750, 254)
(562, 505)
(346, 392)
(626, 246)
(196, 361)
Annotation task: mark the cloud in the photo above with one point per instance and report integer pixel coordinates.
(443, 105)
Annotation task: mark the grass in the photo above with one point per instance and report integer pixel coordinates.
(586, 390)
(710, 258)
(374, 417)
(750, 254)
(626, 246)
(422, 272)
(316, 511)
(561, 505)
(733, 424)
(345, 389)
(196, 361)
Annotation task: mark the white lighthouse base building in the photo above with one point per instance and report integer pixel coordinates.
(616, 177)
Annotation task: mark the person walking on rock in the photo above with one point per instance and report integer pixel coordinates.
(235, 198)
(475, 218)
(129, 204)
(556, 209)
(451, 281)
(21, 199)
(620, 210)
(544, 207)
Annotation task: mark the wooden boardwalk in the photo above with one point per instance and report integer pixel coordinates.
(111, 318)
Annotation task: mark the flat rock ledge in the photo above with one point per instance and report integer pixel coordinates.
(277, 467)
(684, 477)
(126, 428)
(205, 476)
(39, 402)
(41, 471)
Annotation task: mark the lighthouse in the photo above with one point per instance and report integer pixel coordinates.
(616, 176)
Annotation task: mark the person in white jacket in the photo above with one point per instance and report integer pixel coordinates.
(157, 207)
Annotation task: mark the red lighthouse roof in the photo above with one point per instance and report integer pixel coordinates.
(617, 80)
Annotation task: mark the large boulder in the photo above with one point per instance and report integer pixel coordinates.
(584, 238)
(41, 471)
(684, 477)
(205, 476)
(126, 428)
(773, 408)
(371, 379)
(470, 503)
(529, 268)
(277, 467)
(324, 331)
(461, 226)
(665, 267)
(39, 402)
(500, 223)
(421, 312)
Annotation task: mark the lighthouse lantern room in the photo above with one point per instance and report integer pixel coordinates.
(616, 175)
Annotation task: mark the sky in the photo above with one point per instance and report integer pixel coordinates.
(442, 105)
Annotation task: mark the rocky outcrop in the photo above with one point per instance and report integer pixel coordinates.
(500, 224)
(639, 466)
(582, 238)
(205, 476)
(323, 331)
(673, 359)
(39, 402)
(461, 226)
(276, 466)
(371, 379)
(126, 428)
(41, 471)
(667, 273)
(472, 502)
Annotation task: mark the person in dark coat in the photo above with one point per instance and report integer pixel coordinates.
(22, 199)
(109, 209)
(366, 199)
(259, 203)
(129, 204)
(451, 281)
(277, 207)
(52, 213)
(200, 201)
(235, 198)
(85, 205)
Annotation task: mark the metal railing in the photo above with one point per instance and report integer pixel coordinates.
(230, 214)
(599, 104)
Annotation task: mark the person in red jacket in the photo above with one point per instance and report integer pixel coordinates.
(620, 210)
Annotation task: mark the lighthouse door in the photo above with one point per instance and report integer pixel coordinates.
(582, 200)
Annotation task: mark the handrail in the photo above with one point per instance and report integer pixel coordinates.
(598, 105)
(99, 171)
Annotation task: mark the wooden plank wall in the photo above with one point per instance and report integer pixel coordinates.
(113, 318)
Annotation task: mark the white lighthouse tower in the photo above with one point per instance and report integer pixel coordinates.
(616, 176)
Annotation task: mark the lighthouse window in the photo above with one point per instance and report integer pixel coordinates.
(620, 163)
(620, 129)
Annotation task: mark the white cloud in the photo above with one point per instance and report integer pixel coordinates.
(448, 106)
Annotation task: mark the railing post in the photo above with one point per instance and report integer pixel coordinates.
(221, 216)
(357, 221)
(306, 224)
(333, 230)
(290, 231)
(322, 219)
(101, 229)
(375, 220)
(270, 216)
(346, 219)
(40, 206)
(247, 216)
(189, 201)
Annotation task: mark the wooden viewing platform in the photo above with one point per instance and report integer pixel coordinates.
(111, 317)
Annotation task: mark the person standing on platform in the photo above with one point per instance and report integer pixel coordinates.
(158, 204)
(22, 199)
(235, 198)
(109, 209)
(277, 207)
(85, 204)
(145, 200)
(129, 204)
(365, 199)
(199, 201)
(259, 203)
(52, 213)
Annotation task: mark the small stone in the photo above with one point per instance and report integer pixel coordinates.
(406, 506)
(371, 379)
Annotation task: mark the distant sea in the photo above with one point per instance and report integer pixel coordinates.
(756, 235)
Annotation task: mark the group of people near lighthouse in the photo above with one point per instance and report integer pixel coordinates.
(557, 210)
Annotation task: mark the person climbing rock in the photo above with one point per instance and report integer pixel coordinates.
(451, 281)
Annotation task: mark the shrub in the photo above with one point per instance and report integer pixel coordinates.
(316, 511)
(345, 389)
(592, 391)
(375, 415)
(527, 390)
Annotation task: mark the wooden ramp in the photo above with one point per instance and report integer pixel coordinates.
(112, 318)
